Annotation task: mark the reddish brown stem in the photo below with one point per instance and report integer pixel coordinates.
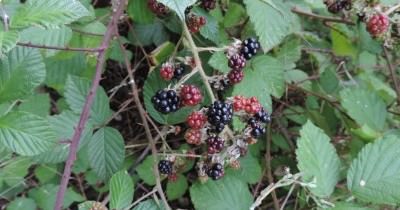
(60, 48)
(88, 103)
(324, 18)
(392, 73)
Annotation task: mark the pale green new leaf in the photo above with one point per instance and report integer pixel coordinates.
(8, 40)
(76, 91)
(365, 107)
(149, 204)
(374, 176)
(317, 160)
(121, 190)
(20, 73)
(26, 134)
(107, 152)
(272, 21)
(91, 205)
(48, 13)
(178, 6)
(227, 193)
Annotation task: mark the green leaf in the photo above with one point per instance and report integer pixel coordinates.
(210, 30)
(121, 190)
(321, 169)
(263, 76)
(329, 80)
(64, 126)
(235, 14)
(272, 21)
(22, 203)
(177, 188)
(139, 11)
(374, 176)
(226, 193)
(342, 44)
(26, 134)
(365, 107)
(20, 73)
(348, 206)
(45, 173)
(145, 171)
(107, 152)
(289, 53)
(147, 34)
(91, 205)
(8, 40)
(250, 170)
(38, 104)
(76, 91)
(58, 37)
(45, 196)
(149, 204)
(14, 172)
(178, 6)
(48, 13)
(299, 77)
(219, 61)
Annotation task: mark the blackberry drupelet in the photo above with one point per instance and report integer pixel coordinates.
(166, 101)
(263, 116)
(216, 171)
(220, 114)
(215, 144)
(249, 48)
(165, 167)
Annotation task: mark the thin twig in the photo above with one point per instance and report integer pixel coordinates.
(269, 168)
(324, 18)
(141, 198)
(61, 48)
(146, 127)
(86, 108)
(392, 73)
(392, 9)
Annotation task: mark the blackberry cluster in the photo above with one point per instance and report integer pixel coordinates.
(237, 62)
(263, 116)
(193, 136)
(249, 48)
(216, 171)
(215, 144)
(157, 7)
(208, 4)
(336, 6)
(235, 76)
(255, 123)
(220, 114)
(165, 167)
(179, 71)
(195, 22)
(378, 24)
(166, 101)
(190, 95)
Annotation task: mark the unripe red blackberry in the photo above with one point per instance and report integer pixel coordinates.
(239, 103)
(252, 105)
(215, 144)
(208, 4)
(196, 120)
(167, 71)
(172, 177)
(235, 76)
(193, 136)
(165, 167)
(216, 171)
(157, 7)
(378, 24)
(195, 23)
(237, 62)
(190, 95)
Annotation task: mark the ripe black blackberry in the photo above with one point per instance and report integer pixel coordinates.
(220, 114)
(263, 116)
(249, 48)
(166, 101)
(165, 167)
(179, 72)
(257, 130)
(216, 171)
(237, 62)
(208, 4)
(215, 144)
(252, 122)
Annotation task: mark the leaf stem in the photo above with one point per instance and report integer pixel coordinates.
(324, 18)
(61, 48)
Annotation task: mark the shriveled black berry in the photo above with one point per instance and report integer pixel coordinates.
(257, 130)
(179, 71)
(165, 167)
(249, 48)
(215, 144)
(237, 61)
(208, 4)
(166, 101)
(220, 114)
(216, 171)
(263, 116)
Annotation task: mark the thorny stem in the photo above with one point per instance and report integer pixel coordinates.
(392, 73)
(86, 108)
(269, 168)
(61, 48)
(324, 18)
